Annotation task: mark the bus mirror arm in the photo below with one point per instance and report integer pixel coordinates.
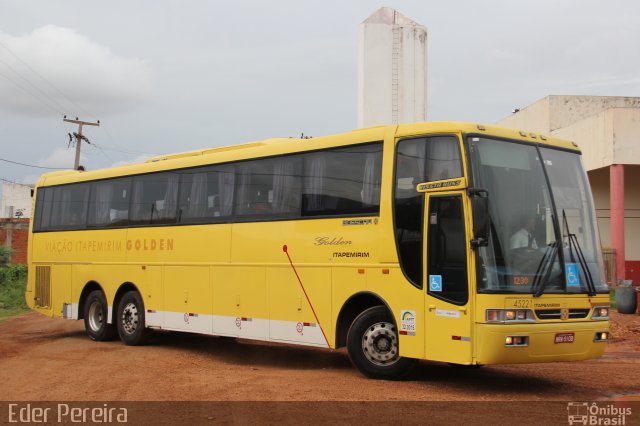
(481, 220)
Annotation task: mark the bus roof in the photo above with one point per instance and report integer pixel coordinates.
(277, 146)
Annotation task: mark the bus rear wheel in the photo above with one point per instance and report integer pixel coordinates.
(95, 317)
(372, 344)
(130, 319)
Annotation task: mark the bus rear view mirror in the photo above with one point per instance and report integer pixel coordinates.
(481, 220)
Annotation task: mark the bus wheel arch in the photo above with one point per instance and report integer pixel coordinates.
(93, 308)
(354, 306)
(88, 288)
(129, 315)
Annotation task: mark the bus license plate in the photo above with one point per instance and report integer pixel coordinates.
(565, 338)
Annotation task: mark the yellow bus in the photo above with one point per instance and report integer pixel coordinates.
(454, 242)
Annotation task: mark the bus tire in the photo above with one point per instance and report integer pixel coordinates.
(96, 312)
(130, 319)
(372, 345)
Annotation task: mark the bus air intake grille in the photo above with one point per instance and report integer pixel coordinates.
(43, 287)
(556, 314)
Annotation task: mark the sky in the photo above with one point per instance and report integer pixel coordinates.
(168, 76)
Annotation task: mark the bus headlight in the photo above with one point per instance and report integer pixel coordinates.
(600, 313)
(509, 315)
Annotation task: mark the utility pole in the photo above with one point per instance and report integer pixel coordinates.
(79, 136)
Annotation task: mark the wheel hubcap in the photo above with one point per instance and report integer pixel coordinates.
(95, 316)
(130, 318)
(380, 344)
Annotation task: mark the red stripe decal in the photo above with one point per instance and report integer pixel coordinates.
(286, 251)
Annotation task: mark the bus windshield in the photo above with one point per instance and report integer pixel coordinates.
(543, 236)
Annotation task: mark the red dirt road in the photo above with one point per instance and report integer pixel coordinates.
(44, 359)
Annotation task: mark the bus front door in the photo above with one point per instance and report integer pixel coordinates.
(448, 321)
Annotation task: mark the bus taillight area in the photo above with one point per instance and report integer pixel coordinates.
(516, 344)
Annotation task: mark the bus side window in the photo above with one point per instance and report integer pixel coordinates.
(44, 207)
(154, 198)
(446, 253)
(269, 187)
(69, 206)
(419, 160)
(206, 194)
(343, 181)
(109, 202)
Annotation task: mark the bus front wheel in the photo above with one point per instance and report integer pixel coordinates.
(95, 318)
(130, 319)
(372, 344)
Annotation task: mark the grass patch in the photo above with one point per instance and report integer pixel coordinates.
(13, 283)
(612, 298)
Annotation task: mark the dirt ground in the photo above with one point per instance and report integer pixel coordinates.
(44, 359)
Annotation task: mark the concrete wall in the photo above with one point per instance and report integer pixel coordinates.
(534, 118)
(558, 111)
(608, 137)
(567, 110)
(18, 196)
(392, 63)
(14, 233)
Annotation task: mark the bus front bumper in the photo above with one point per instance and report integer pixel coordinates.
(549, 342)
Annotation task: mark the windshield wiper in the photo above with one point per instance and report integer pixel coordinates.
(544, 269)
(573, 242)
(546, 263)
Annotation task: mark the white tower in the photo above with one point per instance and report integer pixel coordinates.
(392, 69)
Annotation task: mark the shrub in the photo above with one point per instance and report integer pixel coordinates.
(13, 282)
(5, 255)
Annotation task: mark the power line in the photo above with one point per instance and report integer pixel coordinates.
(102, 152)
(48, 105)
(31, 165)
(52, 103)
(71, 101)
(42, 92)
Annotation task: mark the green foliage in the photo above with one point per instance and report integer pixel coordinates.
(5, 255)
(612, 298)
(13, 283)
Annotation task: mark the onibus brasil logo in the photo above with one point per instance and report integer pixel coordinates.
(583, 413)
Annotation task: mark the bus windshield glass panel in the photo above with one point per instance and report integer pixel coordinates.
(543, 237)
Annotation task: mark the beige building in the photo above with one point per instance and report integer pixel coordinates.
(607, 129)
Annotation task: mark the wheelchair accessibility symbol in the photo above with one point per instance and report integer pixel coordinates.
(435, 282)
(572, 274)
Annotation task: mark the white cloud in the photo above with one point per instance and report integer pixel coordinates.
(60, 157)
(89, 75)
